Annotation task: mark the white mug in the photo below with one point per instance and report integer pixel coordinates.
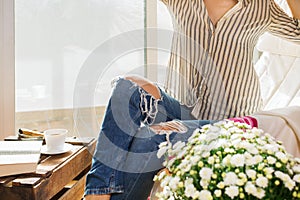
(55, 139)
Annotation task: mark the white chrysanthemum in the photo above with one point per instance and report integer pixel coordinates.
(218, 193)
(247, 155)
(250, 188)
(211, 160)
(214, 129)
(205, 154)
(181, 154)
(262, 182)
(240, 182)
(254, 160)
(226, 160)
(268, 170)
(261, 142)
(229, 150)
(249, 161)
(174, 182)
(196, 195)
(290, 184)
(213, 145)
(237, 160)
(189, 187)
(271, 160)
(251, 173)
(258, 159)
(281, 156)
(178, 146)
(252, 149)
(161, 151)
(230, 178)
(284, 177)
(212, 136)
(198, 149)
(206, 173)
(163, 144)
(227, 124)
(204, 183)
(165, 181)
(195, 159)
(260, 193)
(257, 131)
(161, 175)
(297, 178)
(185, 165)
(167, 193)
(202, 137)
(249, 135)
(271, 148)
(221, 185)
(232, 191)
(236, 136)
(205, 195)
(296, 168)
(222, 143)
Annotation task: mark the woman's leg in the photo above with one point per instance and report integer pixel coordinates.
(133, 101)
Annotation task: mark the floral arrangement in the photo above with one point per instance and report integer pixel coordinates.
(228, 160)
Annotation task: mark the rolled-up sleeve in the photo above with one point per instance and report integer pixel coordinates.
(283, 25)
(165, 1)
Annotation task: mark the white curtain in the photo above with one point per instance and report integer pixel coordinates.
(278, 69)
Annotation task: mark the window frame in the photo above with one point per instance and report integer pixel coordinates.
(7, 68)
(151, 40)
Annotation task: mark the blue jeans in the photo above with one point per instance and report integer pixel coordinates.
(125, 160)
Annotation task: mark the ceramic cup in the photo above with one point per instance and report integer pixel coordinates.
(55, 139)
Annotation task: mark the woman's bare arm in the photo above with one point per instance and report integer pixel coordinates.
(295, 8)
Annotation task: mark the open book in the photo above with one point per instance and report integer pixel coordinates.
(18, 157)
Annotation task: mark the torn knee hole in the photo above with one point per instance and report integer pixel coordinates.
(148, 86)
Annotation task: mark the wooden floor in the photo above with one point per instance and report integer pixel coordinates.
(80, 122)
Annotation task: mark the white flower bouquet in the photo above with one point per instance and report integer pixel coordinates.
(228, 160)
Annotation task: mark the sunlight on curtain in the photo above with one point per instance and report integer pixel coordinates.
(278, 69)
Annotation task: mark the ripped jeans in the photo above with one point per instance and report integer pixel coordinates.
(125, 160)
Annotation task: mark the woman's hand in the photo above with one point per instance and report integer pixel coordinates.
(295, 8)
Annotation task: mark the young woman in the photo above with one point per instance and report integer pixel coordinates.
(220, 82)
(217, 77)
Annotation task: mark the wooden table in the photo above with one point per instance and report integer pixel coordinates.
(57, 176)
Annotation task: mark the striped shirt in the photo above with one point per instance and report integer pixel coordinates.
(211, 67)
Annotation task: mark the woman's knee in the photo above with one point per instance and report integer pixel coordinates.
(144, 83)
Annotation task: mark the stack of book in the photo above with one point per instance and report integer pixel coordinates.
(18, 157)
(28, 134)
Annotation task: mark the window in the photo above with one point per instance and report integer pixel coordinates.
(53, 41)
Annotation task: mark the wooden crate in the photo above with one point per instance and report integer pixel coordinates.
(57, 176)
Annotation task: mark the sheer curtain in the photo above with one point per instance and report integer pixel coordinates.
(278, 69)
